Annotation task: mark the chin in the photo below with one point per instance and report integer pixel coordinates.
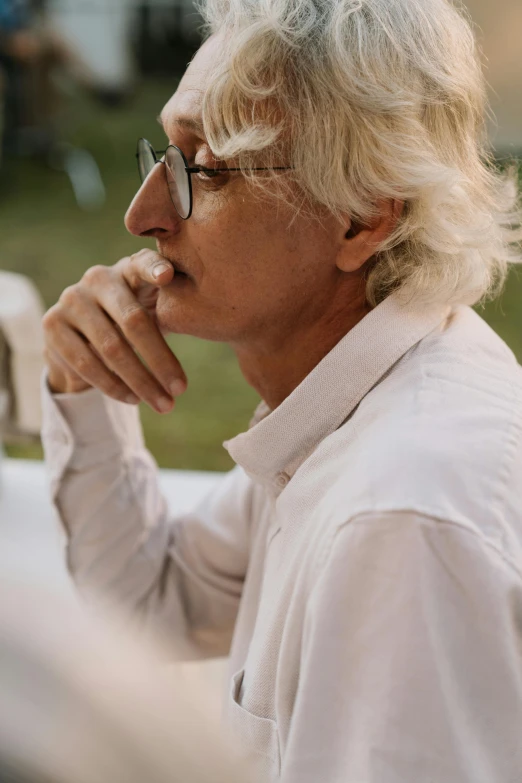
(183, 310)
(175, 315)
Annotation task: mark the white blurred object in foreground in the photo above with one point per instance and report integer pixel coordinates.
(82, 704)
(21, 311)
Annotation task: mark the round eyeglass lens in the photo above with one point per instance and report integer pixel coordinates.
(179, 181)
(146, 159)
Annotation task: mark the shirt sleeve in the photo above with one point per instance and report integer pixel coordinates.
(412, 661)
(180, 579)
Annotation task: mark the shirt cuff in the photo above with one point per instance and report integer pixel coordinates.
(84, 429)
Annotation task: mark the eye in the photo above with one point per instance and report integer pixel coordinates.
(211, 173)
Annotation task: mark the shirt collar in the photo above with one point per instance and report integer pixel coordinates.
(279, 441)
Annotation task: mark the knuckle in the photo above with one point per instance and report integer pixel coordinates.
(50, 319)
(69, 296)
(134, 318)
(112, 348)
(96, 274)
(142, 254)
(82, 364)
(143, 261)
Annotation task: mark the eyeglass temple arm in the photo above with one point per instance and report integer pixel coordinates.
(196, 170)
(190, 170)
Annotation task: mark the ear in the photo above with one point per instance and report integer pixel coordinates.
(360, 243)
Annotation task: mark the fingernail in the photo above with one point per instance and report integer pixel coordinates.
(131, 399)
(177, 388)
(163, 404)
(159, 270)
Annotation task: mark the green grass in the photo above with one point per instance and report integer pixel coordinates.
(43, 234)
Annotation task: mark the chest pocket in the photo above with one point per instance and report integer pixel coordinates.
(257, 738)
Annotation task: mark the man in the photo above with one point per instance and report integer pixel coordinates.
(324, 207)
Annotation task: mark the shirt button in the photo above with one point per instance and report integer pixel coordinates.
(282, 480)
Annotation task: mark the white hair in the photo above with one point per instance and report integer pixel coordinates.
(369, 100)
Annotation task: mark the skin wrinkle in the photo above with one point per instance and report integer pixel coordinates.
(186, 122)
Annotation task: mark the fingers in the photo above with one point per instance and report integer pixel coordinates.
(129, 310)
(61, 378)
(100, 323)
(143, 334)
(71, 349)
(114, 351)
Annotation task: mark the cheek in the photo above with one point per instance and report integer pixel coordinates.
(253, 254)
(242, 245)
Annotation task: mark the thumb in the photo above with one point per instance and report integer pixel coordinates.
(148, 267)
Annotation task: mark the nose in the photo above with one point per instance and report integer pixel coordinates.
(152, 213)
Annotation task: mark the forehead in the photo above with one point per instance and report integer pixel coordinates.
(186, 103)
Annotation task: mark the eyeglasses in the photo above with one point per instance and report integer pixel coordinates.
(178, 173)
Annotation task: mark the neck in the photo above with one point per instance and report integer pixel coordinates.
(278, 363)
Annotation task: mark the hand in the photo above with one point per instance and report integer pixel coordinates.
(94, 331)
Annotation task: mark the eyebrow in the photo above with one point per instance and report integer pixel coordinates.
(186, 122)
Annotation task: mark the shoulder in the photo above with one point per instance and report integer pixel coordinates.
(385, 571)
(403, 544)
(442, 434)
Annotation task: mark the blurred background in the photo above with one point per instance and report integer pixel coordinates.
(80, 81)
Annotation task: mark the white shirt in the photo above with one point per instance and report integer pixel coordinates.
(362, 564)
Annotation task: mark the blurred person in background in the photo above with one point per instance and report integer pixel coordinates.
(14, 23)
(327, 206)
(30, 52)
(81, 703)
(16, 45)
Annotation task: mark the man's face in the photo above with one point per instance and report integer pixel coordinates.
(255, 273)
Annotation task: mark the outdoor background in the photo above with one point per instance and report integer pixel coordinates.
(136, 52)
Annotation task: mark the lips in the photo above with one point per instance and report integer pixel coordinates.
(179, 271)
(179, 267)
(181, 277)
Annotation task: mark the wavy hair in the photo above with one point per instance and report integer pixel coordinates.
(370, 100)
